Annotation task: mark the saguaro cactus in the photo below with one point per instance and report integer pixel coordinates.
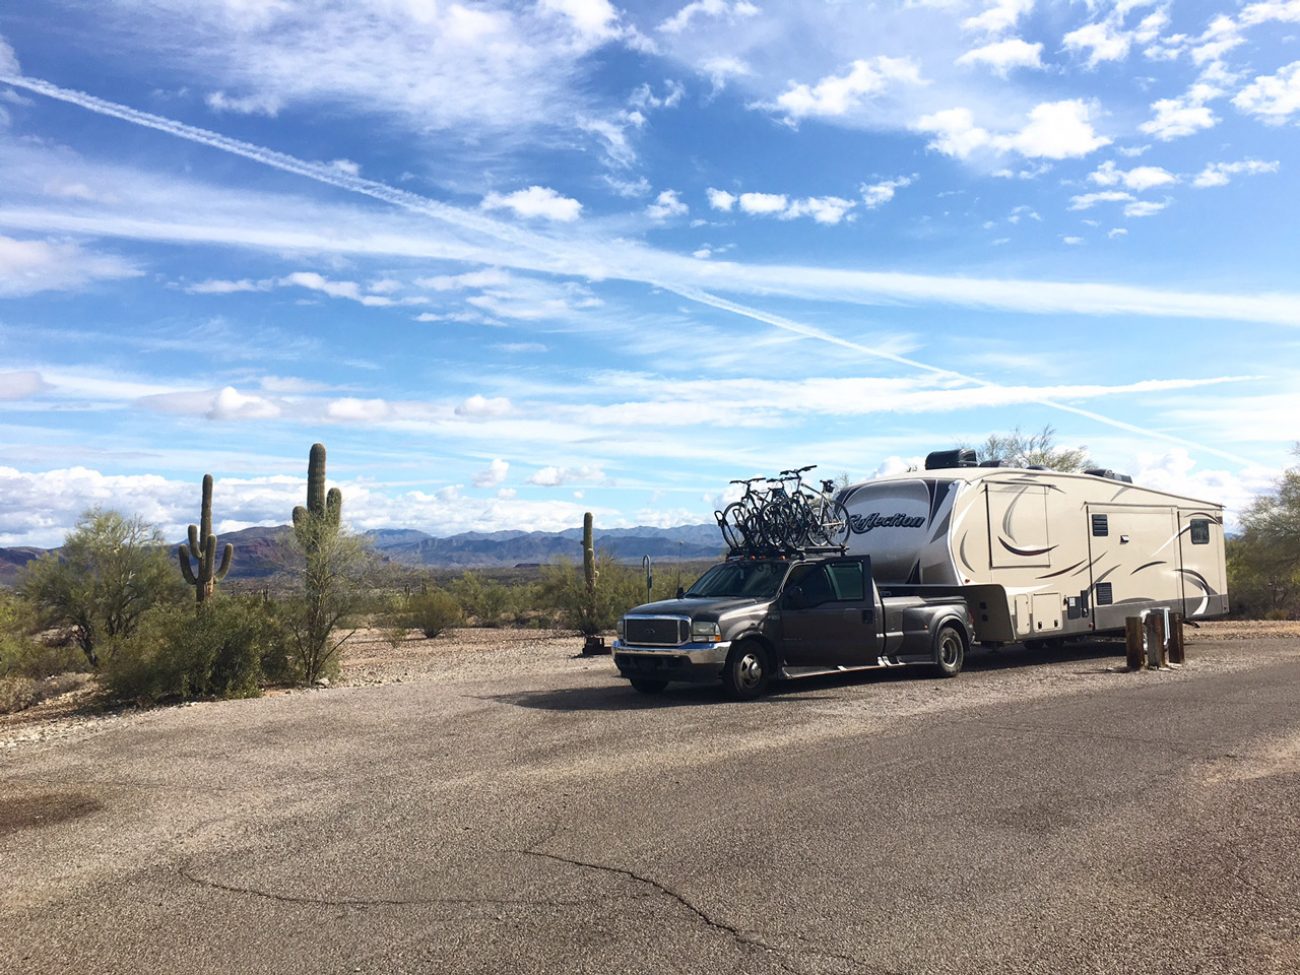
(203, 549)
(322, 509)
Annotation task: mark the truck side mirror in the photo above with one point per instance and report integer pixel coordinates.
(795, 598)
(681, 593)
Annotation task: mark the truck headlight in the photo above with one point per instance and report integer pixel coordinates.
(621, 627)
(702, 632)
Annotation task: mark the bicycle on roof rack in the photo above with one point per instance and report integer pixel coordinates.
(789, 517)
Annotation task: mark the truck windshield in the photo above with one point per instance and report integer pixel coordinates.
(756, 579)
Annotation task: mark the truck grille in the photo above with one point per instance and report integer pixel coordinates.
(657, 632)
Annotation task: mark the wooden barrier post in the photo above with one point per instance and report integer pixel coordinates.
(1177, 650)
(1133, 642)
(1157, 655)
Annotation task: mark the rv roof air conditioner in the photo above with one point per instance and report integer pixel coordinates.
(995, 463)
(1109, 475)
(941, 460)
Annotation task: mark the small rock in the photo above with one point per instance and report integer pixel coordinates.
(322, 682)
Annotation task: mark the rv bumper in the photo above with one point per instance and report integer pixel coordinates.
(697, 663)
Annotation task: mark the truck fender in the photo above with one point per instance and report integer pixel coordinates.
(957, 623)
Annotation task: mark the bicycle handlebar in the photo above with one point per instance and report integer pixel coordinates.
(796, 471)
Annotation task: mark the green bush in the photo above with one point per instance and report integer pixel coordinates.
(178, 652)
(433, 611)
(564, 592)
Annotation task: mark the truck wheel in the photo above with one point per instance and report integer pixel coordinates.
(949, 651)
(647, 686)
(748, 671)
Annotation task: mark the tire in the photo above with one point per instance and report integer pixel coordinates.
(949, 651)
(748, 671)
(836, 526)
(731, 521)
(646, 685)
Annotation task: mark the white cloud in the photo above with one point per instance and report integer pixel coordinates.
(484, 406)
(1176, 472)
(1272, 98)
(723, 68)
(1282, 11)
(837, 95)
(230, 404)
(21, 385)
(1137, 179)
(536, 201)
(643, 96)
(955, 132)
(1058, 130)
(28, 267)
(1001, 16)
(220, 287)
(762, 204)
(1220, 174)
(1184, 115)
(595, 20)
(1072, 241)
(494, 475)
(1117, 232)
(612, 132)
(1145, 208)
(8, 60)
(1086, 201)
(627, 188)
(679, 21)
(667, 204)
(1054, 130)
(560, 476)
(1002, 56)
(267, 105)
(489, 277)
(823, 209)
(351, 409)
(878, 194)
(350, 290)
(721, 199)
(1103, 41)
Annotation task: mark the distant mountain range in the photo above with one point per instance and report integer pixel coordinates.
(262, 552)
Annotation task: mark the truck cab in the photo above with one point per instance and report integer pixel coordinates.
(748, 621)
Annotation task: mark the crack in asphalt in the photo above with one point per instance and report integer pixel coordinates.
(748, 939)
(384, 901)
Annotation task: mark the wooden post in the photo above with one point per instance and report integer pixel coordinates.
(1133, 642)
(1177, 651)
(1157, 655)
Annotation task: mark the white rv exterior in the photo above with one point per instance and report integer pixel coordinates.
(1040, 554)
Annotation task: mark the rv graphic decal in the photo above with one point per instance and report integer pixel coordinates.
(861, 524)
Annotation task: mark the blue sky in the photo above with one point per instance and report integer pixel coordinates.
(511, 262)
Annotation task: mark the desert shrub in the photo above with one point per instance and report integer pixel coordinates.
(433, 611)
(110, 571)
(217, 650)
(486, 601)
(564, 592)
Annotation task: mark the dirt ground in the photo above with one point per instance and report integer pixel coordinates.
(474, 654)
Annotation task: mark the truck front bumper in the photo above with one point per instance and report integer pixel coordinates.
(696, 663)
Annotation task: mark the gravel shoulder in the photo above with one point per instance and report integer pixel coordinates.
(470, 654)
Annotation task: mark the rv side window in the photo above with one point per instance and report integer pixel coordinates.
(1100, 525)
(1200, 531)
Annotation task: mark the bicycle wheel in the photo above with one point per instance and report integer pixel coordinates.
(731, 521)
(834, 526)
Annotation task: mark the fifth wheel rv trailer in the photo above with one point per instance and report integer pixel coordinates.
(1039, 554)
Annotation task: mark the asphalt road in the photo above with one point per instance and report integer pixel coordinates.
(1059, 817)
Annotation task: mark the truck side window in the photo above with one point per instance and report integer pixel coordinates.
(1200, 531)
(846, 577)
(817, 586)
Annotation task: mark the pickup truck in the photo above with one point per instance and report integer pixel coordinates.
(748, 621)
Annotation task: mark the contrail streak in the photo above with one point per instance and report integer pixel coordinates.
(809, 331)
(473, 222)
